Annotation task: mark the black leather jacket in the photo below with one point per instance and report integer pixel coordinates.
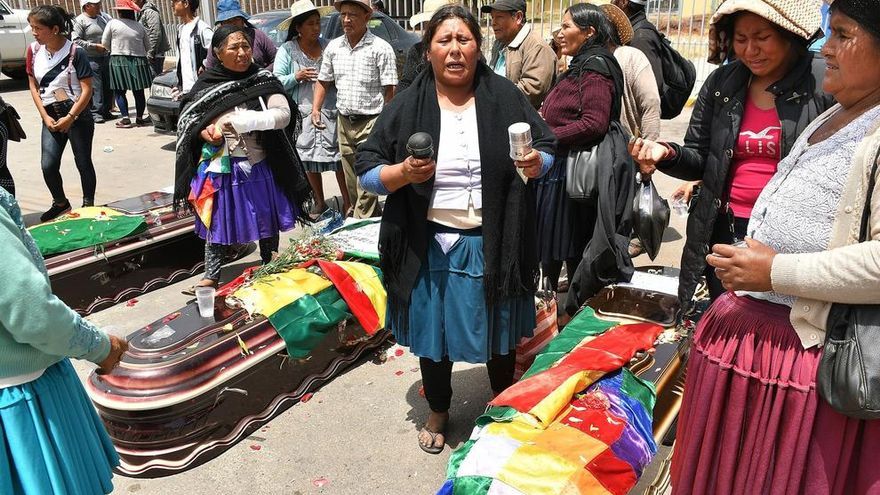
(711, 138)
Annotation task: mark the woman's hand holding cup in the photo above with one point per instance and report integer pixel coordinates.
(530, 165)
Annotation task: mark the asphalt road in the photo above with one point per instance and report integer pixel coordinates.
(357, 435)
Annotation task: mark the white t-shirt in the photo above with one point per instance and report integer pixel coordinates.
(188, 69)
(57, 67)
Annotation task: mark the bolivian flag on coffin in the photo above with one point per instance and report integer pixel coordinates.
(305, 303)
(85, 227)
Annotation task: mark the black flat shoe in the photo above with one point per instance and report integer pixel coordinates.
(55, 211)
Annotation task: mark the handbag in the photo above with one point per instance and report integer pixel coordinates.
(582, 173)
(582, 166)
(10, 119)
(546, 328)
(849, 370)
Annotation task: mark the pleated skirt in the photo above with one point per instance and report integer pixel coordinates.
(564, 226)
(248, 206)
(751, 421)
(52, 439)
(448, 314)
(129, 73)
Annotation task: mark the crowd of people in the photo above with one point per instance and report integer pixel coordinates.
(781, 150)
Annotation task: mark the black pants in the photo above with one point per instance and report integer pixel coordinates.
(6, 181)
(722, 235)
(437, 378)
(552, 270)
(80, 136)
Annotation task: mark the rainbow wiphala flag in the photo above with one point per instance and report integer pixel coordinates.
(577, 423)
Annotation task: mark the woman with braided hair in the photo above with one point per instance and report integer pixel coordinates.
(236, 165)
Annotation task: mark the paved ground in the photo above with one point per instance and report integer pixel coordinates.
(358, 434)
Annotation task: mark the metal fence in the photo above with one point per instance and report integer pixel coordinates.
(684, 22)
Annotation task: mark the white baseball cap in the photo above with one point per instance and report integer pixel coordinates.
(83, 3)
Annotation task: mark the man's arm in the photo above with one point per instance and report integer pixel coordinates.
(153, 24)
(389, 93)
(539, 66)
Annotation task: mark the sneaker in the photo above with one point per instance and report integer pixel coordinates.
(144, 122)
(99, 119)
(55, 211)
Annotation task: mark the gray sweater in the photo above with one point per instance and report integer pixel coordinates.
(88, 31)
(126, 37)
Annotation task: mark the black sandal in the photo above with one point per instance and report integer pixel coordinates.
(433, 448)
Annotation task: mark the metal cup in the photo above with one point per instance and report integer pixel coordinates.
(520, 135)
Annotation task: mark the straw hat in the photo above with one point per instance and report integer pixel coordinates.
(618, 19)
(298, 8)
(428, 9)
(365, 4)
(800, 17)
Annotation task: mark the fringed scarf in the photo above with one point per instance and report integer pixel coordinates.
(509, 244)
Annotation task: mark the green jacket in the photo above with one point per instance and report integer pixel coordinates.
(36, 329)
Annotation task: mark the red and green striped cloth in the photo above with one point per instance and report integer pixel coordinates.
(577, 423)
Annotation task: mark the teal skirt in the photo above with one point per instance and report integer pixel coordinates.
(129, 73)
(448, 314)
(52, 438)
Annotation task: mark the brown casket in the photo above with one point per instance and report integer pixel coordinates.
(92, 279)
(652, 297)
(190, 387)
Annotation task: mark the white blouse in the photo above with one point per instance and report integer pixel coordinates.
(457, 180)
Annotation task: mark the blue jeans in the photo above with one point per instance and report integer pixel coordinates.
(80, 136)
(102, 95)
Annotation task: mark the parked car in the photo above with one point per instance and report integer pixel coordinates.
(164, 110)
(15, 33)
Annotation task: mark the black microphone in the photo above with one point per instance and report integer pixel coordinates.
(420, 145)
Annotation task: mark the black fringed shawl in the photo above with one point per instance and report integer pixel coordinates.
(201, 107)
(606, 259)
(509, 244)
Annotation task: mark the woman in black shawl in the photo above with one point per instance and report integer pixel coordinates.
(457, 242)
(236, 166)
(584, 106)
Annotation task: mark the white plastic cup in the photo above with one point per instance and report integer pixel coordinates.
(205, 299)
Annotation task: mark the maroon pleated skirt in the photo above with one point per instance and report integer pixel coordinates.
(751, 421)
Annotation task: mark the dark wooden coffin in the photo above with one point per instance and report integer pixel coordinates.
(92, 279)
(638, 303)
(665, 367)
(190, 387)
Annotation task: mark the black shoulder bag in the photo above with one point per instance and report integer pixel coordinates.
(582, 163)
(849, 370)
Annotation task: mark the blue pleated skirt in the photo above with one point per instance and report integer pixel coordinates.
(52, 439)
(448, 314)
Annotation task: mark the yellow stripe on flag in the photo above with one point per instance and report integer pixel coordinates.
(274, 292)
(550, 406)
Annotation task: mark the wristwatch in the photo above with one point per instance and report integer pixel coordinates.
(74, 117)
